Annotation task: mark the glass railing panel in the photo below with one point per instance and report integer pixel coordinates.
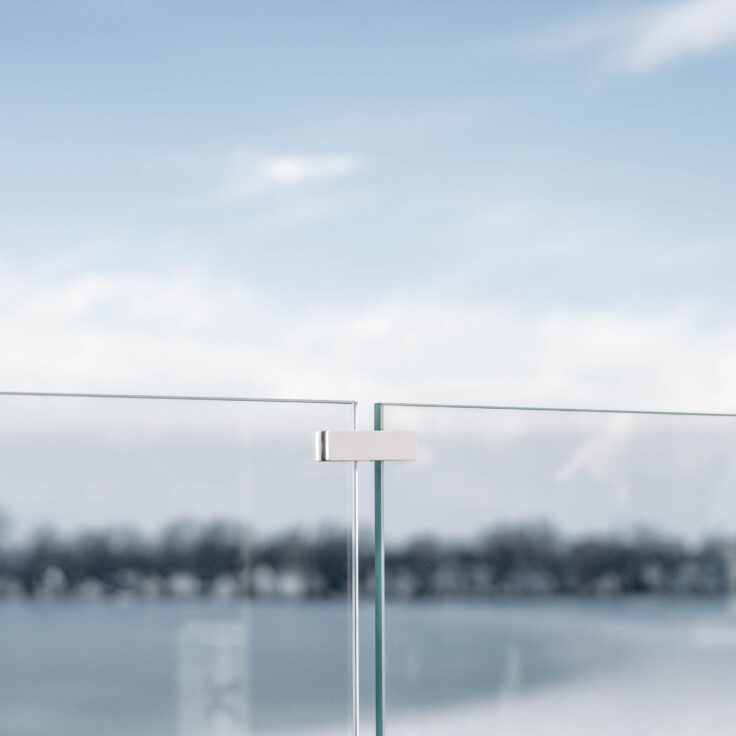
(560, 573)
(172, 568)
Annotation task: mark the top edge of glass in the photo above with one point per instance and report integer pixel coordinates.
(174, 397)
(552, 409)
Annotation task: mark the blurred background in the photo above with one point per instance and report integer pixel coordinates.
(471, 202)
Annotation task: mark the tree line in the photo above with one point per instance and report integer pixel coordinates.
(229, 559)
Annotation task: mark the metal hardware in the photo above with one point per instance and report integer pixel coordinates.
(334, 446)
(353, 447)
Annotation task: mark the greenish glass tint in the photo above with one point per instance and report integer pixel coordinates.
(173, 566)
(557, 571)
(378, 525)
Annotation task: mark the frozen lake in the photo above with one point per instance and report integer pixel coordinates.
(205, 668)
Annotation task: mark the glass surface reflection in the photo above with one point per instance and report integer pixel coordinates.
(172, 567)
(560, 573)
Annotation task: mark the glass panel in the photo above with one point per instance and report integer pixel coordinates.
(172, 567)
(560, 573)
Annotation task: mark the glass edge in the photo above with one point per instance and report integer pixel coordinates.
(553, 409)
(379, 584)
(175, 397)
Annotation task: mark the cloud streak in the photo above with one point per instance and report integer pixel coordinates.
(646, 40)
(248, 175)
(184, 333)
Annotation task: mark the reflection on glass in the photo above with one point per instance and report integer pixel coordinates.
(561, 573)
(172, 568)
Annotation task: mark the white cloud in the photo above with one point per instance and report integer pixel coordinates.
(648, 39)
(187, 334)
(178, 334)
(299, 169)
(249, 175)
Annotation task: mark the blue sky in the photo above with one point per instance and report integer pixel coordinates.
(499, 202)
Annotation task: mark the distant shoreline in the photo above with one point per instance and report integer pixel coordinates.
(224, 560)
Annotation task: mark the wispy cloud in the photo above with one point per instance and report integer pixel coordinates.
(645, 40)
(188, 333)
(299, 169)
(184, 333)
(248, 175)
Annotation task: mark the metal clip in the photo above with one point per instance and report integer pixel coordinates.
(342, 446)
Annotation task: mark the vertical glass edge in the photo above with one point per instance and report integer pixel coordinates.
(355, 589)
(379, 592)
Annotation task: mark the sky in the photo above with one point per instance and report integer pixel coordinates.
(501, 202)
(486, 202)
